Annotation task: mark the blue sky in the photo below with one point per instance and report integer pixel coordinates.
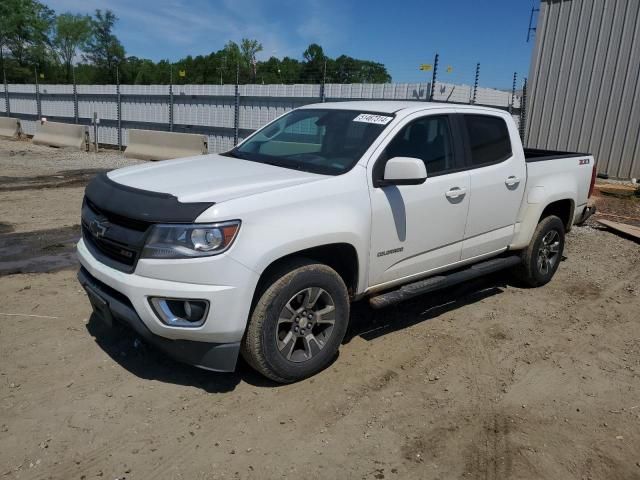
(400, 34)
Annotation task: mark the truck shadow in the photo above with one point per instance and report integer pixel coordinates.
(144, 361)
(369, 324)
(148, 363)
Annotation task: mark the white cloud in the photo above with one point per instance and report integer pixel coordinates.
(176, 28)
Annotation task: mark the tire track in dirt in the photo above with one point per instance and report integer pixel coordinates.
(182, 455)
(63, 179)
(97, 458)
(350, 400)
(490, 455)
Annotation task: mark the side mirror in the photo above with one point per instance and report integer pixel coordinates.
(403, 171)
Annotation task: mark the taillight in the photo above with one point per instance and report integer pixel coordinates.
(593, 181)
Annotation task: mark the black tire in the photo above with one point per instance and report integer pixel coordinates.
(541, 258)
(272, 347)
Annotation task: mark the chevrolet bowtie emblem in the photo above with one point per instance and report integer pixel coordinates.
(99, 227)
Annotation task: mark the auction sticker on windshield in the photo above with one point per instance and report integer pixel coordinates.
(371, 118)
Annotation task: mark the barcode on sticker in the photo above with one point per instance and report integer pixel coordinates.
(370, 118)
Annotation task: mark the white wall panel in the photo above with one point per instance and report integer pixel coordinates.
(210, 109)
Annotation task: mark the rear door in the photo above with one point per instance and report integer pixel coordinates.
(497, 177)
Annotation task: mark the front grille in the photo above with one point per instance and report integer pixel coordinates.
(116, 251)
(131, 223)
(115, 240)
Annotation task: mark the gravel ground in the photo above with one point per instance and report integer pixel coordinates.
(22, 158)
(42, 187)
(483, 381)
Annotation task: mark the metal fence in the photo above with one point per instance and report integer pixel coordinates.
(225, 113)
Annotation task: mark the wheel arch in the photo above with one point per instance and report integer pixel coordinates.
(562, 206)
(342, 257)
(563, 209)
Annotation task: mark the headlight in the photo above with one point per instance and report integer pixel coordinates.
(189, 241)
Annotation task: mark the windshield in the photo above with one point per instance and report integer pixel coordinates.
(322, 141)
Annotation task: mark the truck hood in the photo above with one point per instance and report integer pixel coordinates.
(210, 178)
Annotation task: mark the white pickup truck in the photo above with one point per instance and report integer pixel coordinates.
(260, 250)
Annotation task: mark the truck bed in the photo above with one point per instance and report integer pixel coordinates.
(538, 155)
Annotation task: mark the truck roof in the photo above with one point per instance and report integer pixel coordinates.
(394, 106)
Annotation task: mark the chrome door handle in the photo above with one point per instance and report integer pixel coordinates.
(456, 192)
(512, 181)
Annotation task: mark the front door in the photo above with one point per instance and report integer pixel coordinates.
(419, 228)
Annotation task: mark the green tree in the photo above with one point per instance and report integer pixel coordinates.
(232, 58)
(103, 49)
(314, 66)
(248, 51)
(24, 34)
(290, 70)
(71, 33)
(146, 74)
(270, 71)
(27, 39)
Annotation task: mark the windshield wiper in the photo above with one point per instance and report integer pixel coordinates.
(233, 153)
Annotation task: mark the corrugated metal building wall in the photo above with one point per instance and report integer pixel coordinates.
(583, 84)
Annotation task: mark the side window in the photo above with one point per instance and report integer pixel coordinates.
(429, 139)
(488, 139)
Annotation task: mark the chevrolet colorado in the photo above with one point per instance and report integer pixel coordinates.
(260, 250)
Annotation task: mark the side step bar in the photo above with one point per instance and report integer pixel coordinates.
(442, 281)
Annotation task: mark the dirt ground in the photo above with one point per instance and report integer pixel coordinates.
(483, 381)
(618, 209)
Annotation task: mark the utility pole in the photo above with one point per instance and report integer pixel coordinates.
(523, 111)
(513, 92)
(119, 109)
(324, 81)
(236, 116)
(171, 97)
(475, 84)
(531, 27)
(75, 95)
(434, 77)
(38, 106)
(6, 86)
(222, 68)
(96, 121)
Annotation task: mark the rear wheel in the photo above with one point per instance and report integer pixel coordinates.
(298, 323)
(541, 258)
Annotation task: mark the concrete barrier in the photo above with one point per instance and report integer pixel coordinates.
(9, 127)
(56, 134)
(154, 145)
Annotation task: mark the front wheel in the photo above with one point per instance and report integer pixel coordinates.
(298, 323)
(541, 258)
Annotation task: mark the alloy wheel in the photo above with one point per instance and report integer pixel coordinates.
(305, 324)
(549, 252)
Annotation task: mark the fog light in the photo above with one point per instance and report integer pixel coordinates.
(180, 312)
(194, 311)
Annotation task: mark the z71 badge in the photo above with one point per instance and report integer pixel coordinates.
(584, 161)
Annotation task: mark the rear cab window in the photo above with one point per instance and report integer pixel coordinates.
(487, 138)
